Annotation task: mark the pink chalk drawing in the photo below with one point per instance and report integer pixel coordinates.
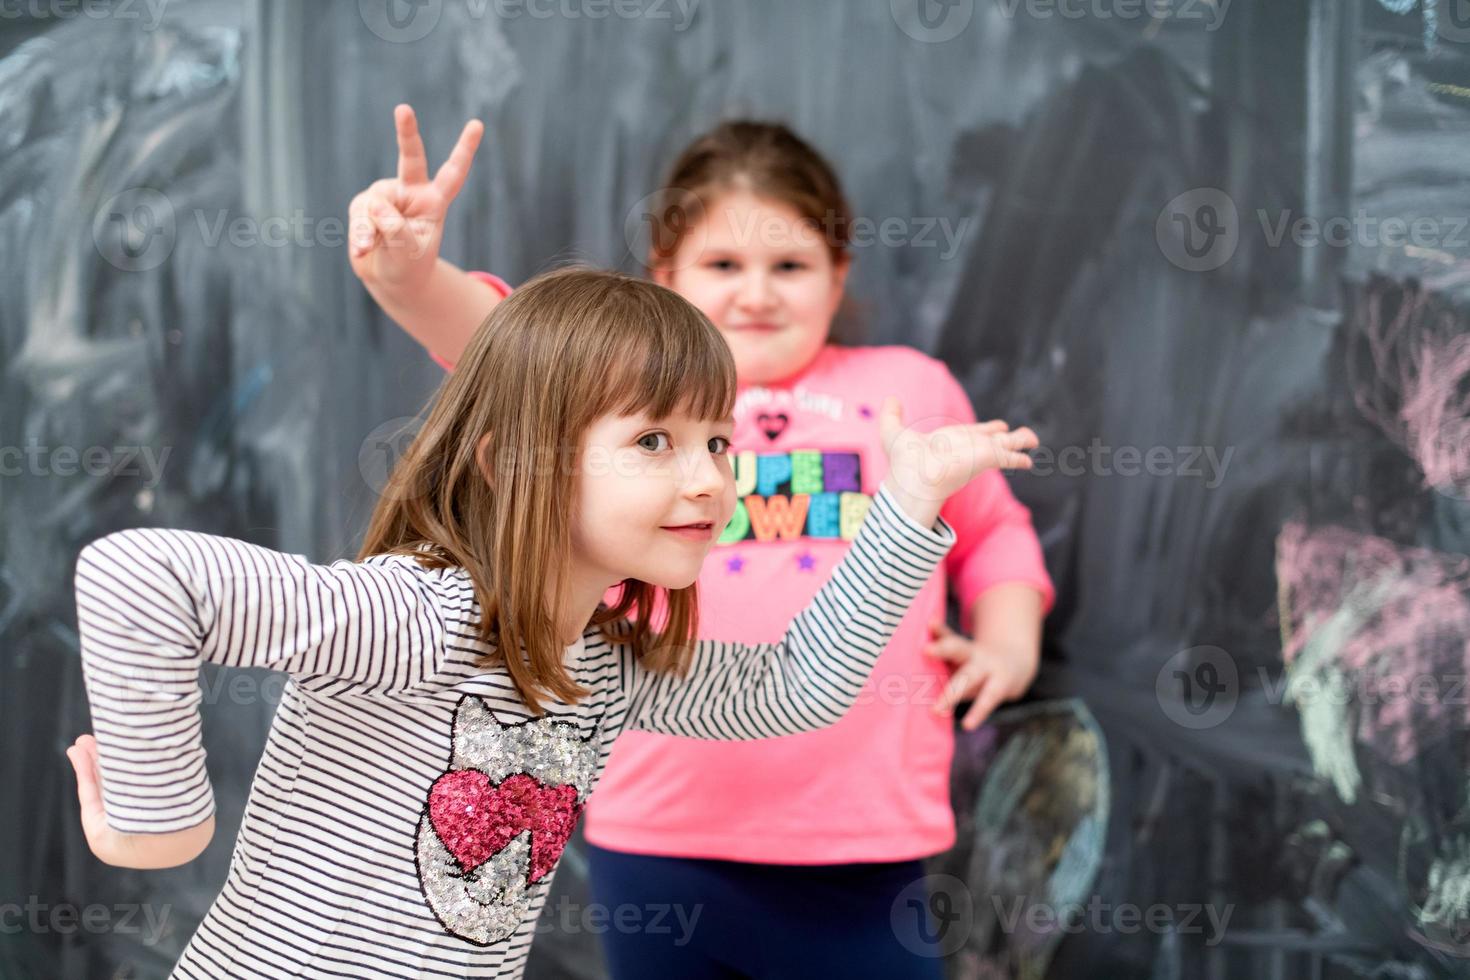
(1419, 392)
(1384, 624)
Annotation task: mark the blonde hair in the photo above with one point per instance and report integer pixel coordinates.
(565, 349)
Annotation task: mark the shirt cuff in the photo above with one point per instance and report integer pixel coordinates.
(494, 282)
(932, 542)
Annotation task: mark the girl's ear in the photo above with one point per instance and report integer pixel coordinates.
(839, 281)
(482, 456)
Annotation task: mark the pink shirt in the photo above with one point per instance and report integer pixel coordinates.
(874, 786)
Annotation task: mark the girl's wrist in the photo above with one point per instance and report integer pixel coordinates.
(921, 509)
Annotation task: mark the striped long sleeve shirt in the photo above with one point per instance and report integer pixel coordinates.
(409, 811)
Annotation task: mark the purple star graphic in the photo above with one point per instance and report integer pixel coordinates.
(734, 564)
(805, 561)
(865, 411)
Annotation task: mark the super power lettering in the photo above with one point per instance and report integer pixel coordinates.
(803, 493)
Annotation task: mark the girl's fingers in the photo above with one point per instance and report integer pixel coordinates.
(84, 762)
(953, 649)
(981, 708)
(939, 628)
(1010, 449)
(1022, 438)
(364, 234)
(959, 687)
(452, 174)
(890, 422)
(413, 162)
(390, 227)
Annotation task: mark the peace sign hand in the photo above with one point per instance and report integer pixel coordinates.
(396, 225)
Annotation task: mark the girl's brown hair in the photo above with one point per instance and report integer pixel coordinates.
(768, 160)
(557, 354)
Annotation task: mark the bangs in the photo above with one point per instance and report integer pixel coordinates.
(665, 357)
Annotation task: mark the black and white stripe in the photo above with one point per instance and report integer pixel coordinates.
(323, 881)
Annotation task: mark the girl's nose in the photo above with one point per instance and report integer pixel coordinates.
(755, 290)
(704, 476)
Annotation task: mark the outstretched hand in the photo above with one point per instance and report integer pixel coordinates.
(397, 224)
(122, 850)
(926, 468)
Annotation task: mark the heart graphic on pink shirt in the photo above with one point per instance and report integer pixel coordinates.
(476, 819)
(773, 424)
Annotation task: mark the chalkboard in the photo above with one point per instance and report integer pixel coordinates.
(1214, 252)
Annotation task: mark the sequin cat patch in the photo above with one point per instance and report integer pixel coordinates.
(497, 820)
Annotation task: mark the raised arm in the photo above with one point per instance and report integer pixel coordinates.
(397, 225)
(153, 604)
(812, 676)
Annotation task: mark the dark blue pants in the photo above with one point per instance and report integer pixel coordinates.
(696, 919)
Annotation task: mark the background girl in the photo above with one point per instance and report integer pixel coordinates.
(797, 848)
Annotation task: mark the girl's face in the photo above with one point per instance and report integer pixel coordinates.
(652, 497)
(765, 277)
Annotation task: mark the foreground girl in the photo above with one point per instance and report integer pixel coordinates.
(455, 692)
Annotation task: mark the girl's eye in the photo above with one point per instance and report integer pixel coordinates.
(722, 443)
(722, 265)
(791, 266)
(655, 436)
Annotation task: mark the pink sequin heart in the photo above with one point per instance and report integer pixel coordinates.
(476, 820)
